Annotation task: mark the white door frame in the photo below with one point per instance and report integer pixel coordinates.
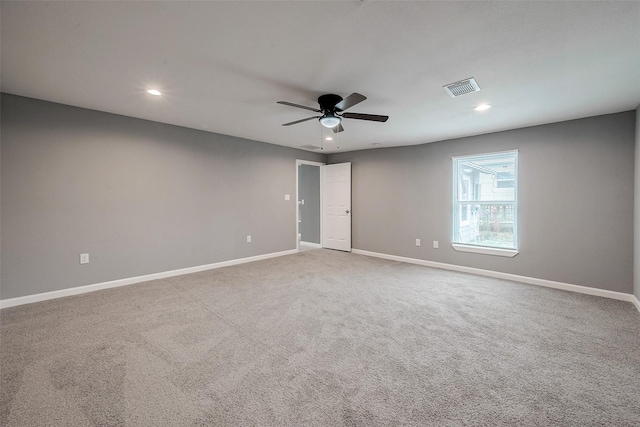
(307, 162)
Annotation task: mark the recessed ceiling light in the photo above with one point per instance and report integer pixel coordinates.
(328, 138)
(482, 107)
(154, 92)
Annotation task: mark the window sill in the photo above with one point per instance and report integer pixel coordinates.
(485, 251)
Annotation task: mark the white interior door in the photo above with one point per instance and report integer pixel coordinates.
(336, 206)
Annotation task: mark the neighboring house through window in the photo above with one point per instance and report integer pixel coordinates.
(485, 203)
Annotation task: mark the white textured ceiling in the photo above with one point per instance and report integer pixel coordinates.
(223, 65)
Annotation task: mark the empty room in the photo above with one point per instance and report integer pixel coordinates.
(319, 213)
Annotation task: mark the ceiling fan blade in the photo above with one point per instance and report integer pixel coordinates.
(291, 104)
(338, 128)
(371, 117)
(300, 121)
(350, 101)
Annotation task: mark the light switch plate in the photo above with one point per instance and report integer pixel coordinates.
(287, 197)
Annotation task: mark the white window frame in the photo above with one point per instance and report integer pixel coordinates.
(457, 206)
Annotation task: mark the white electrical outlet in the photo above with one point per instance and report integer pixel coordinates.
(287, 196)
(435, 244)
(248, 239)
(417, 242)
(84, 258)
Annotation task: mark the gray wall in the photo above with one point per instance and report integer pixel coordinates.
(140, 197)
(144, 197)
(309, 191)
(636, 276)
(575, 200)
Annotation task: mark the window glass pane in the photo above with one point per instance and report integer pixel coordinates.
(491, 179)
(485, 200)
(487, 225)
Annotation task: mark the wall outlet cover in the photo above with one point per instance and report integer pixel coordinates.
(84, 258)
(417, 242)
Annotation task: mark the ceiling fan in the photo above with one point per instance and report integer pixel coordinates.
(332, 107)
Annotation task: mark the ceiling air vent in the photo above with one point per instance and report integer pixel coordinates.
(462, 87)
(310, 147)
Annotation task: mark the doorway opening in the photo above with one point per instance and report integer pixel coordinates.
(309, 203)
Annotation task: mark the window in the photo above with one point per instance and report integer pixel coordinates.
(485, 203)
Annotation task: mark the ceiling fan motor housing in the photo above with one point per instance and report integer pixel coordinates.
(328, 106)
(328, 102)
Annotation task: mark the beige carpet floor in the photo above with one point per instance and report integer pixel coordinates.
(322, 338)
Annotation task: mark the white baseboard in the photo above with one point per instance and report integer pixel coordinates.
(11, 302)
(507, 276)
(313, 245)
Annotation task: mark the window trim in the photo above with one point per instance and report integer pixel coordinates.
(485, 250)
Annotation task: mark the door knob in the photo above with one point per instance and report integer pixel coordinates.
(347, 211)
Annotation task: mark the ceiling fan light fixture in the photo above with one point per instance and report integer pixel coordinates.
(330, 121)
